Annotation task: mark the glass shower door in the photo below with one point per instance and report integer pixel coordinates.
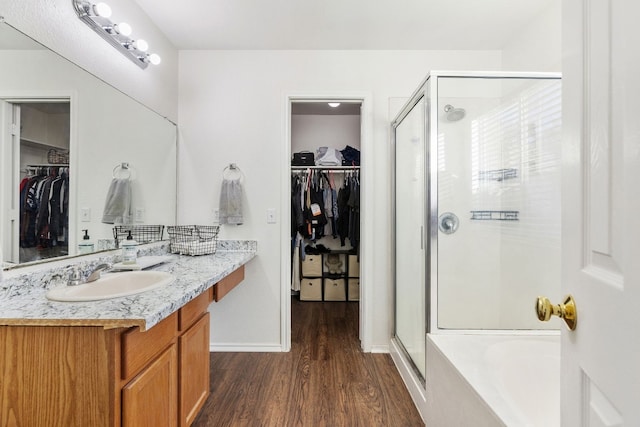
(410, 205)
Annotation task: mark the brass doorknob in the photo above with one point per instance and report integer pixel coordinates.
(566, 311)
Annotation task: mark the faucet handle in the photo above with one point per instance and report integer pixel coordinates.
(95, 274)
(75, 278)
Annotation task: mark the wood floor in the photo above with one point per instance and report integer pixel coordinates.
(325, 380)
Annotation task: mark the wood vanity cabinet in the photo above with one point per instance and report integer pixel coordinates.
(68, 373)
(94, 376)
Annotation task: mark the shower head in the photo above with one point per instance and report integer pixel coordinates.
(454, 114)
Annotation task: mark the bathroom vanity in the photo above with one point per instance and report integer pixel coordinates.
(134, 361)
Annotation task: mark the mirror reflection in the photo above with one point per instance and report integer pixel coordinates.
(64, 137)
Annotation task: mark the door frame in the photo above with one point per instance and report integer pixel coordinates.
(366, 214)
(70, 96)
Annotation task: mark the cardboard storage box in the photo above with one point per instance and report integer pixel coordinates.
(311, 290)
(312, 266)
(354, 289)
(334, 290)
(354, 266)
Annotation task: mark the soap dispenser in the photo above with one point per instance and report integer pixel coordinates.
(86, 245)
(129, 250)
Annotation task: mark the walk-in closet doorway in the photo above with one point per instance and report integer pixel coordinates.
(325, 243)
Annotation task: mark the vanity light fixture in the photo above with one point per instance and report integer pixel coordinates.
(97, 17)
(334, 104)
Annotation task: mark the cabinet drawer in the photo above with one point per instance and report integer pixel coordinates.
(225, 285)
(354, 266)
(311, 290)
(334, 290)
(354, 289)
(312, 266)
(192, 311)
(138, 348)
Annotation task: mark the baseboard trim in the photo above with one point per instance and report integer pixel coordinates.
(380, 349)
(246, 348)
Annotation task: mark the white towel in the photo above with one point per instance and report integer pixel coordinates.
(117, 206)
(231, 201)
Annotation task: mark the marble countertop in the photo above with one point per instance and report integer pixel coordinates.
(27, 305)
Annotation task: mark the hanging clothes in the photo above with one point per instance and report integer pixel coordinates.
(44, 208)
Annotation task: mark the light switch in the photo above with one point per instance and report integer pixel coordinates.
(85, 214)
(271, 216)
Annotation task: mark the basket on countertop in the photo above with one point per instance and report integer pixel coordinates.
(140, 233)
(193, 239)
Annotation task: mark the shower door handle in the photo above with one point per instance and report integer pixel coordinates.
(422, 237)
(566, 311)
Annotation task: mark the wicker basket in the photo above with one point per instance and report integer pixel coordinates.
(193, 239)
(140, 233)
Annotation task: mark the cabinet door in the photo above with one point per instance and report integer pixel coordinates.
(150, 398)
(194, 370)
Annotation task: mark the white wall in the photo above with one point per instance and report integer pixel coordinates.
(55, 24)
(537, 46)
(308, 132)
(232, 109)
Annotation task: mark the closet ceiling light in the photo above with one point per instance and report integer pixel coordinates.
(97, 16)
(334, 104)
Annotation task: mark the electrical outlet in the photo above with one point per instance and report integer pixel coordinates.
(139, 215)
(216, 216)
(271, 216)
(85, 214)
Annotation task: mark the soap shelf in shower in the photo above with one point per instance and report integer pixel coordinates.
(498, 174)
(495, 215)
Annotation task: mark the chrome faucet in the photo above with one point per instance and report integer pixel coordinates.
(75, 278)
(95, 274)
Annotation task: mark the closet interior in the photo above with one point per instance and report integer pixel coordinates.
(325, 201)
(43, 189)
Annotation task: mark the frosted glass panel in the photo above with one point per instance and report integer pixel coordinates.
(410, 256)
(499, 172)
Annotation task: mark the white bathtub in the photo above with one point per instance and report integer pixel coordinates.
(493, 380)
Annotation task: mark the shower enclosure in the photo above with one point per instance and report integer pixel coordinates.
(477, 206)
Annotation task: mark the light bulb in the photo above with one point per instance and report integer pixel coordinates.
(334, 104)
(154, 58)
(123, 28)
(141, 45)
(102, 9)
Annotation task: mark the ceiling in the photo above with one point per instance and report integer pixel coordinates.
(342, 24)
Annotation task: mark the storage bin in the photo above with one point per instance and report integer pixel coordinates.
(354, 289)
(312, 266)
(354, 266)
(334, 290)
(311, 290)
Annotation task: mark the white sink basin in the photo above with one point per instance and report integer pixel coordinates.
(112, 285)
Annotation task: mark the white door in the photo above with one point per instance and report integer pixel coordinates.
(601, 212)
(9, 181)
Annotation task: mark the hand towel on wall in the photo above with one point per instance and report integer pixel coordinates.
(117, 207)
(231, 201)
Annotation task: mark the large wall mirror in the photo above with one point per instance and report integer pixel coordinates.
(65, 135)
